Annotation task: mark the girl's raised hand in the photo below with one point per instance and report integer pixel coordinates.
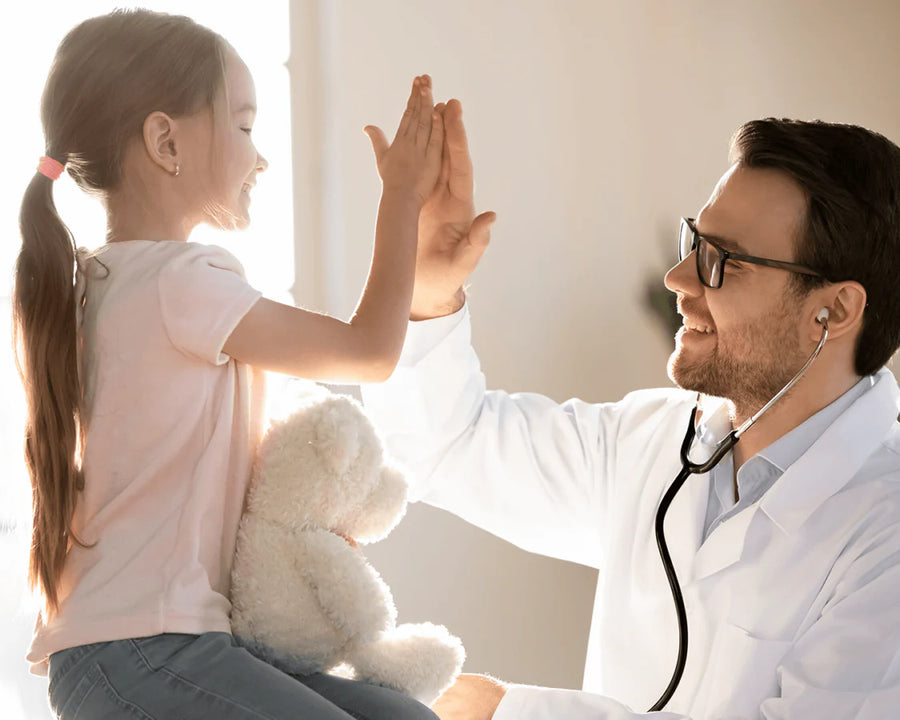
(412, 163)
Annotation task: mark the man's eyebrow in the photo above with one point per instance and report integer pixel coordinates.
(725, 243)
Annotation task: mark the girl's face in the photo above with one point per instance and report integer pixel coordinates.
(234, 161)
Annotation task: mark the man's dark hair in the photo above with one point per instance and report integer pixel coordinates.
(851, 178)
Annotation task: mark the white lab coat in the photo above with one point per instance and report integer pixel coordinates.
(793, 604)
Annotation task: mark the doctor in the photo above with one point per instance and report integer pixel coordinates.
(788, 552)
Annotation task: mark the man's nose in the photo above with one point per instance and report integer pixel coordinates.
(682, 278)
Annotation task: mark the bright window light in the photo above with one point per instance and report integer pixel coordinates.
(266, 249)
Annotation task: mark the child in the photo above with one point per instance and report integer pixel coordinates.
(140, 425)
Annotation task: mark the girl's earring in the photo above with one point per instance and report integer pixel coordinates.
(177, 169)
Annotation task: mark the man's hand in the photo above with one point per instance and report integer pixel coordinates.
(451, 238)
(471, 697)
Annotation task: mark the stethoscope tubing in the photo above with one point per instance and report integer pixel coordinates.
(669, 568)
(689, 468)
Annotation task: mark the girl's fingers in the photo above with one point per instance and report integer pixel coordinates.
(425, 110)
(410, 114)
(379, 141)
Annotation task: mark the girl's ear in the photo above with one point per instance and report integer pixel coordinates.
(159, 141)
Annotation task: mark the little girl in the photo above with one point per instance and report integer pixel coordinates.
(136, 360)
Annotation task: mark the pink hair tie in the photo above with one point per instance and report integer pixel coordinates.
(50, 168)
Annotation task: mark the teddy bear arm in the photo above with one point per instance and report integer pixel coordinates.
(421, 660)
(349, 590)
(275, 610)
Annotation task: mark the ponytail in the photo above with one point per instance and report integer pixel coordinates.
(45, 342)
(109, 73)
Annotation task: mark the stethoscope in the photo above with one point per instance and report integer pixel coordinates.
(689, 468)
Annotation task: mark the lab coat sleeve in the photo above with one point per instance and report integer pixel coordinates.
(528, 469)
(525, 702)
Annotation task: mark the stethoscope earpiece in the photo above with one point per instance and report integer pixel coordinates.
(822, 316)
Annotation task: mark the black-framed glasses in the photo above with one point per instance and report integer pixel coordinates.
(711, 258)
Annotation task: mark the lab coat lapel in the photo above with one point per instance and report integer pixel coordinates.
(725, 544)
(817, 475)
(684, 524)
(835, 457)
(687, 514)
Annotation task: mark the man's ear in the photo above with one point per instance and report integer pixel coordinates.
(846, 304)
(160, 141)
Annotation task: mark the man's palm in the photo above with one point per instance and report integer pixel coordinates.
(451, 238)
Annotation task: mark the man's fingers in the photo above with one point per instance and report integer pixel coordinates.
(456, 131)
(379, 141)
(469, 253)
(480, 232)
(460, 177)
(436, 141)
(444, 177)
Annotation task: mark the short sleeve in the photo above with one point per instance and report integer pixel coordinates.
(203, 295)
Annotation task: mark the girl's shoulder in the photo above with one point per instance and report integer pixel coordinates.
(165, 256)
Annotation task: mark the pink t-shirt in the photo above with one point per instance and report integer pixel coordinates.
(171, 427)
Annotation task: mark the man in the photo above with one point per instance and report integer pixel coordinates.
(788, 552)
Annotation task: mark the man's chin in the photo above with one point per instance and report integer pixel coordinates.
(677, 371)
(693, 376)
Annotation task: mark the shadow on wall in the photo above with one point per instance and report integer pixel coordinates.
(658, 299)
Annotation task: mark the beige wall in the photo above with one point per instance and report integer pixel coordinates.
(594, 126)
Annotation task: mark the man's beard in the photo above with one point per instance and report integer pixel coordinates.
(756, 366)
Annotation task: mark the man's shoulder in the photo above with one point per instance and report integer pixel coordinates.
(651, 406)
(654, 400)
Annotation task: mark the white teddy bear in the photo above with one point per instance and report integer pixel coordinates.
(304, 598)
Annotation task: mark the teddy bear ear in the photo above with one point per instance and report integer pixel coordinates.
(382, 509)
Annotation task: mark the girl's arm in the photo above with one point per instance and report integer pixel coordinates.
(285, 339)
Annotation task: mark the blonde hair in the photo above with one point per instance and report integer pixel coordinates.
(109, 73)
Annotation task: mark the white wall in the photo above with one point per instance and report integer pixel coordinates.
(595, 125)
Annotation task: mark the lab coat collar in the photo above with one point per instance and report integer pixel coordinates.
(725, 544)
(822, 471)
(837, 455)
(685, 520)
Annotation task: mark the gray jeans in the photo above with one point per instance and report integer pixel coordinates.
(189, 677)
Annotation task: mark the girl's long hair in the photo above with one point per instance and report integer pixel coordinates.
(108, 75)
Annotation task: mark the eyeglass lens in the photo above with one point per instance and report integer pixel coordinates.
(709, 263)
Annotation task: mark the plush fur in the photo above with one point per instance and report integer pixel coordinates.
(303, 598)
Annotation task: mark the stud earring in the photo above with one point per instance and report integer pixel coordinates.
(177, 169)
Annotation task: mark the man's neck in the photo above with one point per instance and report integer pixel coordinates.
(807, 398)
